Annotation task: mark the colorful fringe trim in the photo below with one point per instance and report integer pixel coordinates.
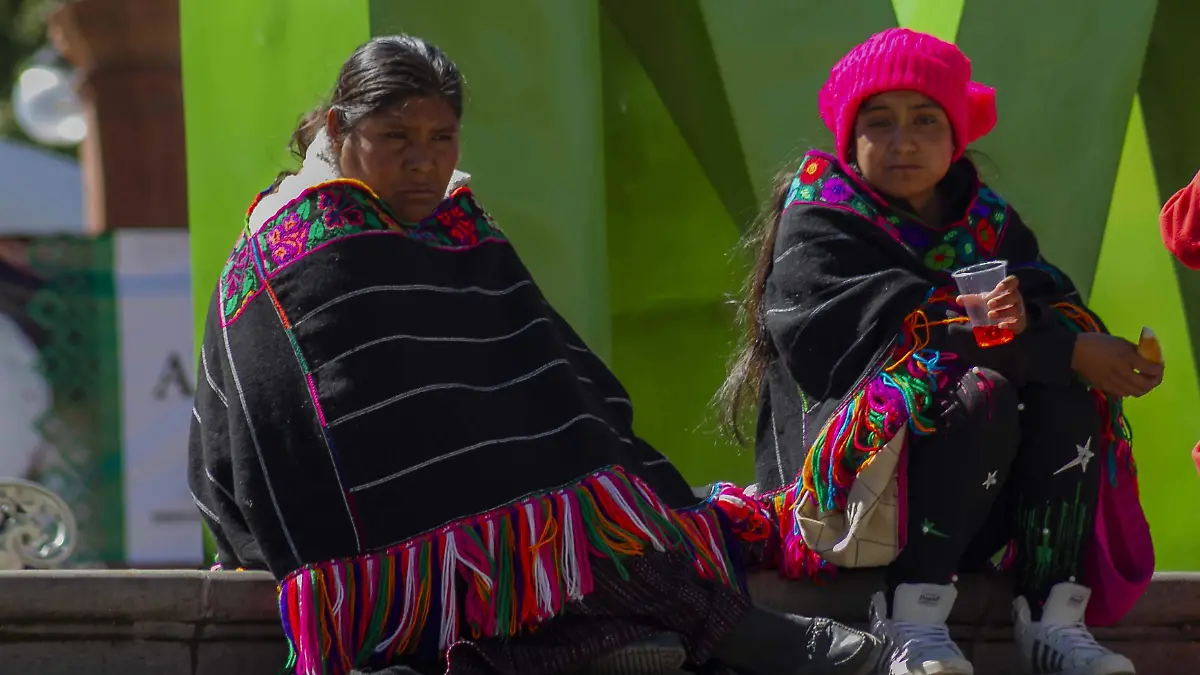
(1117, 435)
(751, 522)
(900, 393)
(489, 575)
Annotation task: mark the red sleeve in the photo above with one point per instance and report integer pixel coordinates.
(1180, 223)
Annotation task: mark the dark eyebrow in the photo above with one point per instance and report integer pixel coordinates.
(926, 106)
(875, 108)
(393, 122)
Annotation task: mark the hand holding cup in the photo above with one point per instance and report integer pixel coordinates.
(993, 302)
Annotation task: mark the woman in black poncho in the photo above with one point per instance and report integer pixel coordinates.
(887, 436)
(395, 423)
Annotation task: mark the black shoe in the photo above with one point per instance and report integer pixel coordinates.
(836, 649)
(770, 643)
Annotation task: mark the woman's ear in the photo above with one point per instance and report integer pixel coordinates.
(333, 125)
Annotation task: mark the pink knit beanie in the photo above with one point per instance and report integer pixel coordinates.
(900, 59)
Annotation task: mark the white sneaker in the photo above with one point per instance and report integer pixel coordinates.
(915, 638)
(1060, 644)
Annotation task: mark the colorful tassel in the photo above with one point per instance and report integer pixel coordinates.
(900, 393)
(521, 565)
(1117, 436)
(1008, 561)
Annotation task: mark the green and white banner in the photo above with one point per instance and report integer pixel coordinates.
(96, 382)
(154, 329)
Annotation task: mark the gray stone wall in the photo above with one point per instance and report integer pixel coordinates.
(226, 623)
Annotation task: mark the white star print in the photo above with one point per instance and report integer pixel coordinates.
(1085, 456)
(991, 480)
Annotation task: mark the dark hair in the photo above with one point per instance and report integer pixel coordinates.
(378, 74)
(739, 392)
(987, 168)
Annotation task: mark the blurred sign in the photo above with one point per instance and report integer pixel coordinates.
(153, 288)
(96, 384)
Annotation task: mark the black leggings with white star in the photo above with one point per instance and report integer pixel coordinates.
(1005, 465)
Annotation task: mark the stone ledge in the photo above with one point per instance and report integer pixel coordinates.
(181, 596)
(227, 623)
(197, 597)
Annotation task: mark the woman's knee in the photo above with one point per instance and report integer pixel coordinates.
(991, 411)
(988, 398)
(1055, 405)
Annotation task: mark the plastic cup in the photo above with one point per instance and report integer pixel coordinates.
(973, 282)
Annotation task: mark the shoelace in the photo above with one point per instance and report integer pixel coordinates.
(1075, 640)
(918, 641)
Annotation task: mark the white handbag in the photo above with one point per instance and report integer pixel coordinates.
(866, 533)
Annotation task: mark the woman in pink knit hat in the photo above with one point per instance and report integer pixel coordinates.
(862, 363)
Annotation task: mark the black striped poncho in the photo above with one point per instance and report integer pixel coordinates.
(394, 422)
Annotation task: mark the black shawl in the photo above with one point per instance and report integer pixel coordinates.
(395, 423)
(858, 285)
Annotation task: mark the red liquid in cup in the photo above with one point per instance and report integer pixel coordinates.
(992, 336)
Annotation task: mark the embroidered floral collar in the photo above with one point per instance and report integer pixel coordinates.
(320, 167)
(976, 236)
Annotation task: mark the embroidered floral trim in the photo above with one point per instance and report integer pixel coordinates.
(821, 180)
(336, 210)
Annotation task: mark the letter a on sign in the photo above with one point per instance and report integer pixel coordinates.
(173, 375)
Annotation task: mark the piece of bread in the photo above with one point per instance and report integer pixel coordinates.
(1148, 347)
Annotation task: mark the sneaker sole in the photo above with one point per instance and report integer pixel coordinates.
(1028, 669)
(1067, 672)
(937, 669)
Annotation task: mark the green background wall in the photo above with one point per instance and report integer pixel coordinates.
(625, 145)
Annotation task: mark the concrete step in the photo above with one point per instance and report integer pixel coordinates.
(227, 623)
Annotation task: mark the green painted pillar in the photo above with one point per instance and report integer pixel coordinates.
(1169, 97)
(250, 70)
(670, 234)
(1135, 286)
(533, 139)
(936, 17)
(1063, 96)
(774, 57)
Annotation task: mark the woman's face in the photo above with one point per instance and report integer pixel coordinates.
(406, 153)
(904, 145)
